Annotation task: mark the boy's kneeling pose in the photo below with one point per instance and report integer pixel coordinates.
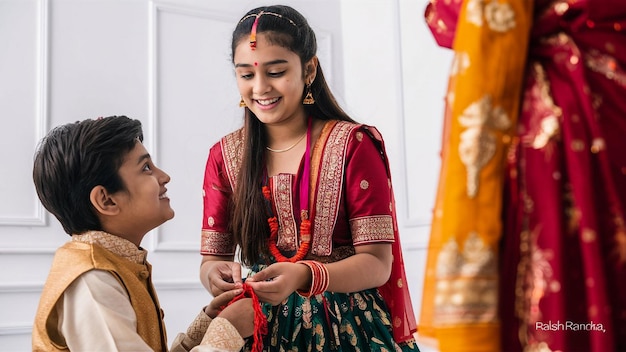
(98, 180)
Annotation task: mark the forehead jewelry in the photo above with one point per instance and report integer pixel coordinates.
(256, 23)
(253, 31)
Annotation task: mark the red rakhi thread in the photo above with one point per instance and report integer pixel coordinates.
(260, 321)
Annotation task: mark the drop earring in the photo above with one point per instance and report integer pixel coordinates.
(242, 104)
(308, 99)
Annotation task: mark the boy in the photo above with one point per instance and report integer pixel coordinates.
(98, 180)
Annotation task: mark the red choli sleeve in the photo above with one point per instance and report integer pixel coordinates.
(216, 193)
(367, 191)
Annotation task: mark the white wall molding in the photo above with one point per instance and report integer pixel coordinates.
(158, 244)
(41, 91)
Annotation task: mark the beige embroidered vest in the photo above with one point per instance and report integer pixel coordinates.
(76, 258)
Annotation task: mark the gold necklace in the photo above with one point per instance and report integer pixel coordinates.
(288, 148)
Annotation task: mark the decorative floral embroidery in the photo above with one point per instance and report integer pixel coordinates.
(232, 149)
(533, 275)
(543, 109)
(372, 228)
(478, 144)
(500, 16)
(283, 199)
(330, 187)
(214, 242)
(606, 65)
(223, 336)
(118, 245)
(467, 285)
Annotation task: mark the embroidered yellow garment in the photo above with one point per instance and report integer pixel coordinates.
(460, 298)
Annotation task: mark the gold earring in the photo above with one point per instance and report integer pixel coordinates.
(242, 104)
(308, 99)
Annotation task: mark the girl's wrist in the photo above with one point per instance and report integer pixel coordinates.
(319, 279)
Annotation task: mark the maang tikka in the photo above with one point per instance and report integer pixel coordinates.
(256, 16)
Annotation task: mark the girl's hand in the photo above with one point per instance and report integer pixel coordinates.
(221, 276)
(276, 282)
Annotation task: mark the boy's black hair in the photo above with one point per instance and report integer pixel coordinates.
(74, 158)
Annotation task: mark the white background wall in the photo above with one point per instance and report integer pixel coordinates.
(168, 64)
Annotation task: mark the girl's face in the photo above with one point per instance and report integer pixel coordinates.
(270, 81)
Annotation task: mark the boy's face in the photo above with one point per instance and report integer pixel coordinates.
(144, 204)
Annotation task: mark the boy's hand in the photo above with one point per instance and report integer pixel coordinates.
(241, 315)
(218, 303)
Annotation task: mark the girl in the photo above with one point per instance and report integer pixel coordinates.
(304, 193)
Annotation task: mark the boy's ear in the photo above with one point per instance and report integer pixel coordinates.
(103, 202)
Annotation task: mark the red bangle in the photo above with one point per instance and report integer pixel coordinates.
(319, 278)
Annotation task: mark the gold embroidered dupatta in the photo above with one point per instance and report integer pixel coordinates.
(460, 299)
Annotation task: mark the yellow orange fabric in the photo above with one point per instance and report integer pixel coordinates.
(460, 299)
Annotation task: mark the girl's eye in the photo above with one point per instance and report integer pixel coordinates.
(246, 76)
(276, 74)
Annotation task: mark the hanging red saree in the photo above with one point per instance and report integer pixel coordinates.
(560, 244)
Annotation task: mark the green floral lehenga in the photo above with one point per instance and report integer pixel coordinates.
(331, 321)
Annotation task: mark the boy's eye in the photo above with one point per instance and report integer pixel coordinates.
(147, 167)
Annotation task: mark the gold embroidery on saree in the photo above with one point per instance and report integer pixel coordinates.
(478, 142)
(214, 242)
(372, 229)
(331, 172)
(542, 107)
(534, 273)
(283, 199)
(232, 151)
(606, 65)
(467, 285)
(500, 16)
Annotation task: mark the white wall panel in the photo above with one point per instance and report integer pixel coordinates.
(195, 102)
(23, 93)
(424, 82)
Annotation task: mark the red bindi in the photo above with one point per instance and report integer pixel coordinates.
(256, 63)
